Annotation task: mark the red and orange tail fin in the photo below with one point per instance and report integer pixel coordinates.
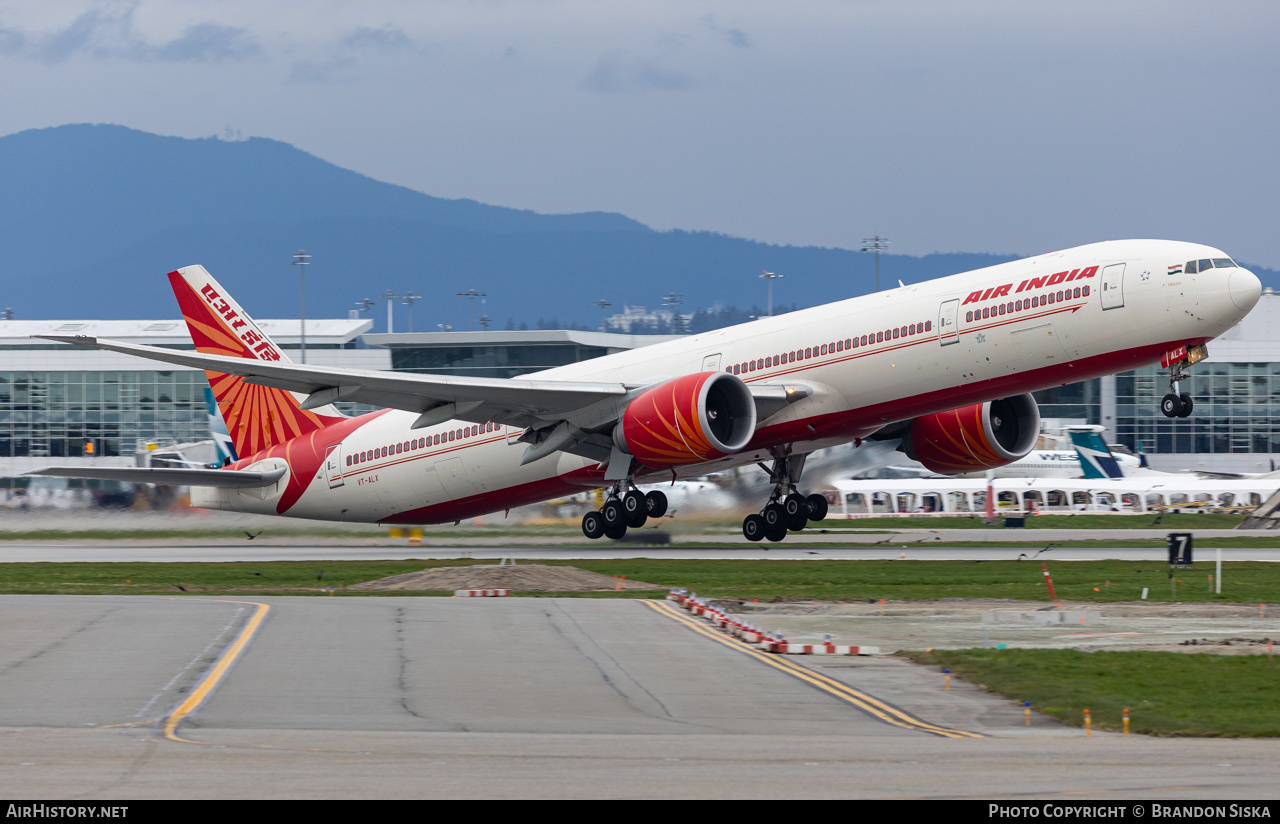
(257, 417)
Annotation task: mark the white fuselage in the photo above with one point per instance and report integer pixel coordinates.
(1046, 335)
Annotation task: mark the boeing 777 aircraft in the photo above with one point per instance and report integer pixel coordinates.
(946, 365)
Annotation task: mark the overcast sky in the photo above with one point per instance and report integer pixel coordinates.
(1010, 127)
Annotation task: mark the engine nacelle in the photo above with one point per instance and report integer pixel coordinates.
(974, 438)
(688, 420)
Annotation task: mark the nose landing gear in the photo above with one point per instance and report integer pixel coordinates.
(787, 510)
(1177, 404)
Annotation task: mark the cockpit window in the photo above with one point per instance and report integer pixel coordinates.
(1224, 263)
(1205, 264)
(1190, 268)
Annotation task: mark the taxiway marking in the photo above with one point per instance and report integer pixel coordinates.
(869, 704)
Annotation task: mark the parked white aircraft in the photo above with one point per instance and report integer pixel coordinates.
(948, 362)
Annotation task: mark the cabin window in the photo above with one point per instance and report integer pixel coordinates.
(1085, 291)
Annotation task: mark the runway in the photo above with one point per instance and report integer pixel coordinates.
(169, 552)
(443, 698)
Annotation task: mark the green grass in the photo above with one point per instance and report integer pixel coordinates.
(1244, 582)
(1166, 693)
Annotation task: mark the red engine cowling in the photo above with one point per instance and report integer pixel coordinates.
(687, 420)
(974, 438)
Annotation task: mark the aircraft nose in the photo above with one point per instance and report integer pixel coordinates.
(1245, 289)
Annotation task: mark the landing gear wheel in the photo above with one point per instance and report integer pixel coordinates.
(615, 532)
(797, 512)
(1187, 406)
(656, 504)
(774, 516)
(636, 509)
(753, 527)
(614, 515)
(817, 506)
(776, 532)
(1170, 405)
(593, 525)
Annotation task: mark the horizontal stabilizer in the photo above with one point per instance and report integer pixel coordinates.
(221, 478)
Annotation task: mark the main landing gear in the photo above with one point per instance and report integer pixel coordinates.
(621, 511)
(787, 510)
(1177, 404)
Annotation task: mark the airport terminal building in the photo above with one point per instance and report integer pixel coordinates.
(65, 404)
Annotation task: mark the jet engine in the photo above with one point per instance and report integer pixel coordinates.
(974, 438)
(686, 420)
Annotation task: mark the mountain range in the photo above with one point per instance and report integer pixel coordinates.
(93, 216)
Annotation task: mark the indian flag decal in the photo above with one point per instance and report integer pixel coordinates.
(1176, 269)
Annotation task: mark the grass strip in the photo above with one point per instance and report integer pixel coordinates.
(1166, 693)
(1248, 582)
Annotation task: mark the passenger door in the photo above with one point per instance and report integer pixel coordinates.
(948, 322)
(1113, 286)
(333, 466)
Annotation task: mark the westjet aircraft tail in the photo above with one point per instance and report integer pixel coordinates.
(256, 417)
(218, 431)
(1095, 456)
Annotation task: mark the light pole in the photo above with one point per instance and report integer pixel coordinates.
(364, 306)
(875, 244)
(770, 277)
(673, 299)
(301, 260)
(471, 295)
(409, 300)
(391, 302)
(603, 304)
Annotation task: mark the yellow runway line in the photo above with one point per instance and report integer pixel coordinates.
(218, 672)
(869, 704)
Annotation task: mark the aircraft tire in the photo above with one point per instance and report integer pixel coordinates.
(817, 506)
(615, 532)
(1187, 405)
(753, 527)
(776, 532)
(656, 504)
(774, 516)
(614, 515)
(634, 502)
(797, 512)
(593, 525)
(1170, 405)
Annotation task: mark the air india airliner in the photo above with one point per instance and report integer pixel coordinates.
(946, 365)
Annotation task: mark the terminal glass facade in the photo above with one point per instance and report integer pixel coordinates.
(54, 414)
(1075, 400)
(490, 361)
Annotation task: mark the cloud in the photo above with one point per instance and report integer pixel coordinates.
(209, 43)
(618, 74)
(385, 39)
(107, 35)
(733, 36)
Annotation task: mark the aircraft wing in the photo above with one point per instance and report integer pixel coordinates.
(224, 478)
(533, 404)
(511, 401)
